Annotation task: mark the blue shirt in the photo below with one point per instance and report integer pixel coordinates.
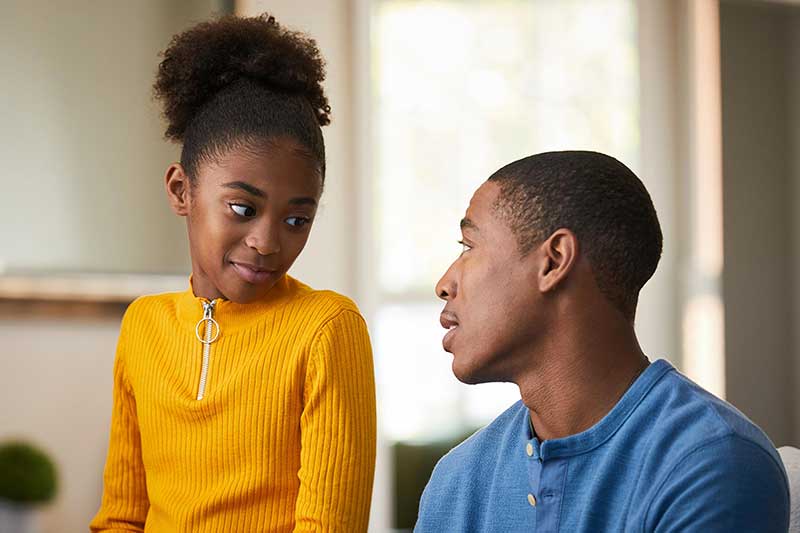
(669, 457)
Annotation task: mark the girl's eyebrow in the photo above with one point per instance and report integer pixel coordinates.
(306, 200)
(255, 191)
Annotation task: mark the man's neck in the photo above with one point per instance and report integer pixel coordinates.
(581, 382)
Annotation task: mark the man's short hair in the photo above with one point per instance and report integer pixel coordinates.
(597, 198)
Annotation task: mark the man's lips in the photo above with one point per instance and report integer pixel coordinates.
(449, 321)
(252, 273)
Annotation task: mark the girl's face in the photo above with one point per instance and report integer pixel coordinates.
(249, 215)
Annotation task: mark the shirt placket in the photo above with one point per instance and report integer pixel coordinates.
(533, 461)
(552, 475)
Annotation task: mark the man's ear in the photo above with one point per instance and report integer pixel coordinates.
(559, 254)
(177, 184)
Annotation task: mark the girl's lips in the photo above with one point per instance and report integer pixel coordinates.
(252, 275)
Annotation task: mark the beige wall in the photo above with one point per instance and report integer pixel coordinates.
(55, 390)
(81, 139)
(758, 182)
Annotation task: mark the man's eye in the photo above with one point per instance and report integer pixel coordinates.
(464, 246)
(297, 222)
(243, 210)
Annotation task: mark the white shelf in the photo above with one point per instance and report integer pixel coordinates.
(99, 288)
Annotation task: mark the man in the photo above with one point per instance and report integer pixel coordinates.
(556, 248)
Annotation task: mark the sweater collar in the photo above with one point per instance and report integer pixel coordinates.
(231, 315)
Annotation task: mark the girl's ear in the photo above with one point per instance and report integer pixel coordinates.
(177, 185)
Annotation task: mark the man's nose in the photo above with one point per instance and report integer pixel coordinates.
(446, 287)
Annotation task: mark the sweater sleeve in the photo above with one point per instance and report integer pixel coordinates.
(729, 484)
(338, 430)
(124, 505)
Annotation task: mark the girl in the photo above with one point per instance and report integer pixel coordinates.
(247, 402)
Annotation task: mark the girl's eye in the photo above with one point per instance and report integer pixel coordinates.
(243, 210)
(297, 222)
(464, 246)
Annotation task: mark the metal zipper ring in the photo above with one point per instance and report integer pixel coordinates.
(197, 330)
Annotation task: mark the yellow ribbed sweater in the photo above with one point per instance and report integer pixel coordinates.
(284, 437)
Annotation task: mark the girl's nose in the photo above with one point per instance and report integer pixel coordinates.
(264, 239)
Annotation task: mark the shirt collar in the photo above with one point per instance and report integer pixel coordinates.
(608, 425)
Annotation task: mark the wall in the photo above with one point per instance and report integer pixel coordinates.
(757, 161)
(55, 390)
(793, 69)
(81, 138)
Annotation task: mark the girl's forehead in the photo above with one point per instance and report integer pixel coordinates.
(268, 168)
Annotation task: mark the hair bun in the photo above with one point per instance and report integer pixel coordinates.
(210, 56)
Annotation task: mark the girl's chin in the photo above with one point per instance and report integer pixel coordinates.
(245, 293)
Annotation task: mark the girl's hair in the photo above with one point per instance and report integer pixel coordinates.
(240, 83)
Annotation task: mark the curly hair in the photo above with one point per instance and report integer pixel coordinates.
(235, 82)
(601, 201)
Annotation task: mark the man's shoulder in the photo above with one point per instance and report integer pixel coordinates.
(692, 442)
(479, 448)
(716, 470)
(690, 417)
(458, 493)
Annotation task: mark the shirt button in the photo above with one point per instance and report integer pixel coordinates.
(531, 500)
(529, 449)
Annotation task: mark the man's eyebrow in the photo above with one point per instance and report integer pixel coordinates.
(255, 191)
(468, 224)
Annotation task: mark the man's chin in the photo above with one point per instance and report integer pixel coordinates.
(466, 373)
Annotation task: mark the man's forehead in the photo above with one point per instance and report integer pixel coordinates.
(481, 205)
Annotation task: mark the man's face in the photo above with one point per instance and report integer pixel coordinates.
(249, 219)
(491, 296)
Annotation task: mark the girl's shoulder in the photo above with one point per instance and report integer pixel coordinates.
(314, 313)
(326, 304)
(151, 305)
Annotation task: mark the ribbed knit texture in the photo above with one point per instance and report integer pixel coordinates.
(284, 439)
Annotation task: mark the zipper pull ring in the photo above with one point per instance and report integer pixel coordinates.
(211, 324)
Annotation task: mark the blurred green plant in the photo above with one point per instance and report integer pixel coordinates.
(27, 475)
(413, 465)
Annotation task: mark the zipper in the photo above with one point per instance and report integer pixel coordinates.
(207, 339)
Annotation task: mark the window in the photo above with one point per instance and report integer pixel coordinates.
(458, 89)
